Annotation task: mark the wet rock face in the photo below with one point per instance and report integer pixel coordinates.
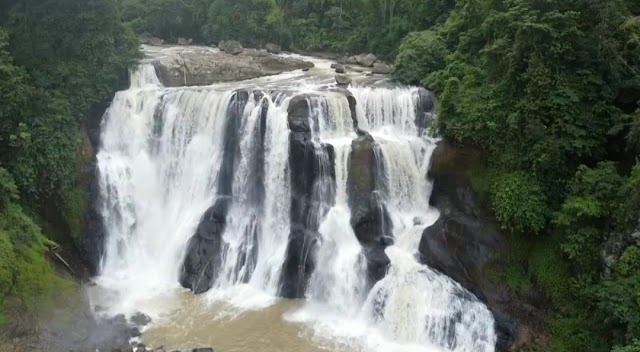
(369, 217)
(425, 108)
(298, 114)
(203, 258)
(465, 243)
(202, 66)
(310, 165)
(204, 250)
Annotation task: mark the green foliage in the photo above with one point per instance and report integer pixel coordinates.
(618, 299)
(633, 347)
(27, 282)
(629, 262)
(570, 334)
(58, 59)
(8, 189)
(420, 54)
(338, 25)
(551, 273)
(519, 202)
(600, 201)
(545, 89)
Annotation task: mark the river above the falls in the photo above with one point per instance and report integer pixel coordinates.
(294, 208)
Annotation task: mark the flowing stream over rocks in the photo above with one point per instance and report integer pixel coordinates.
(293, 207)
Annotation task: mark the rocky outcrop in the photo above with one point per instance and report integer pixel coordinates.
(381, 68)
(273, 48)
(232, 47)
(150, 40)
(203, 66)
(338, 68)
(311, 165)
(342, 79)
(369, 217)
(366, 60)
(203, 258)
(466, 244)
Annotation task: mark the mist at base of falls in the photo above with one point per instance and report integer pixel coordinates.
(169, 154)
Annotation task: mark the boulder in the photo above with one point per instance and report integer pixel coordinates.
(343, 79)
(351, 60)
(140, 319)
(183, 41)
(232, 47)
(381, 68)
(150, 40)
(204, 67)
(205, 349)
(203, 258)
(273, 48)
(222, 44)
(339, 68)
(366, 60)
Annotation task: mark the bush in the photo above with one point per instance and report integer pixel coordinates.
(27, 282)
(629, 262)
(633, 347)
(519, 202)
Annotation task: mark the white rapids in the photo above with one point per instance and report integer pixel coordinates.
(160, 170)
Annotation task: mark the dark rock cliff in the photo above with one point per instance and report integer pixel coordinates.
(466, 244)
(311, 166)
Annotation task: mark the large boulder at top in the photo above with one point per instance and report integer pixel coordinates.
(232, 47)
(298, 114)
(465, 242)
(273, 48)
(370, 219)
(380, 68)
(198, 66)
(366, 60)
(343, 79)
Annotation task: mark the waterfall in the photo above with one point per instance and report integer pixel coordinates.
(214, 188)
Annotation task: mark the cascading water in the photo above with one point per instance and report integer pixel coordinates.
(217, 161)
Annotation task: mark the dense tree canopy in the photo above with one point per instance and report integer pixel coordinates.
(338, 25)
(549, 90)
(58, 59)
